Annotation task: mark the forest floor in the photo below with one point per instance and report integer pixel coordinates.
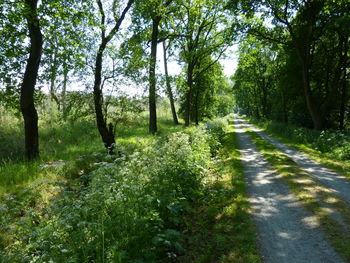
(300, 208)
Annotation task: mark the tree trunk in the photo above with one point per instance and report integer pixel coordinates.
(284, 107)
(190, 69)
(196, 109)
(152, 76)
(107, 133)
(63, 95)
(53, 80)
(343, 67)
(168, 87)
(316, 112)
(28, 110)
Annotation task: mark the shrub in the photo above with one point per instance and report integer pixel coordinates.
(130, 210)
(216, 129)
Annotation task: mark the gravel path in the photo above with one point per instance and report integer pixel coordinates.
(338, 183)
(287, 232)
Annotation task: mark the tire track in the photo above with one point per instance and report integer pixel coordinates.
(339, 184)
(286, 231)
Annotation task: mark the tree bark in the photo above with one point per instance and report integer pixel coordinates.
(196, 109)
(190, 69)
(30, 115)
(316, 112)
(344, 58)
(152, 76)
(105, 132)
(63, 95)
(168, 86)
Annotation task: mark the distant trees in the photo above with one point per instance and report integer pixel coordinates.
(54, 44)
(203, 24)
(314, 36)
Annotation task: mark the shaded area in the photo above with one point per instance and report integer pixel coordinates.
(286, 231)
(338, 183)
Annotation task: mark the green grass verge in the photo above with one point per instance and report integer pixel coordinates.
(280, 133)
(325, 206)
(221, 230)
(68, 142)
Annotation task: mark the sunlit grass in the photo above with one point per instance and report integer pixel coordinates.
(325, 205)
(67, 142)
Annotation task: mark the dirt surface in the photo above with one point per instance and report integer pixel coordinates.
(286, 231)
(338, 183)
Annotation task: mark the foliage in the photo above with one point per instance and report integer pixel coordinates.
(217, 129)
(311, 42)
(333, 143)
(128, 208)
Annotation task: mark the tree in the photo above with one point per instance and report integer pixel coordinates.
(152, 13)
(168, 84)
(28, 110)
(304, 26)
(106, 132)
(203, 25)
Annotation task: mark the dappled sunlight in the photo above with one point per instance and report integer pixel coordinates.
(331, 200)
(311, 221)
(286, 235)
(282, 222)
(338, 183)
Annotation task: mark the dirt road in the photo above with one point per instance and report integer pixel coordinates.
(286, 230)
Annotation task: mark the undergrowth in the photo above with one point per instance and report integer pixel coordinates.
(220, 228)
(125, 208)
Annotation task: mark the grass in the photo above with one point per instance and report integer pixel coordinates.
(221, 230)
(325, 206)
(66, 142)
(24, 185)
(303, 140)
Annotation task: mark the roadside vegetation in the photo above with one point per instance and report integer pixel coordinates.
(329, 147)
(156, 200)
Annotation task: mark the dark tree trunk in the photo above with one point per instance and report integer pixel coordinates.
(316, 112)
(106, 133)
(343, 79)
(28, 110)
(152, 76)
(196, 109)
(302, 45)
(190, 69)
(168, 86)
(284, 107)
(63, 95)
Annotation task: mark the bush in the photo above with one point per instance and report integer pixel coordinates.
(216, 129)
(126, 210)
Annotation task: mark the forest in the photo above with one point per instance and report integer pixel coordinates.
(123, 139)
